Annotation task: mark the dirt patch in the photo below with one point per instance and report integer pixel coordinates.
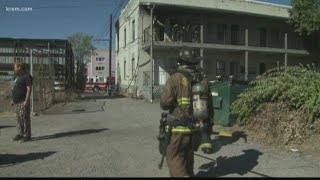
(5, 97)
(276, 125)
(66, 96)
(7, 114)
(311, 144)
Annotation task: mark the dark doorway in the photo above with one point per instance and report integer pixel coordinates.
(262, 68)
(233, 69)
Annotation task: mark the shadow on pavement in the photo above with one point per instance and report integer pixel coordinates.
(69, 134)
(92, 95)
(13, 159)
(232, 165)
(73, 111)
(2, 127)
(221, 141)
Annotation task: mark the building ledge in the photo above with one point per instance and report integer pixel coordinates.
(235, 6)
(170, 45)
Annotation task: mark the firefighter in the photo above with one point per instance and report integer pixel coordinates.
(176, 97)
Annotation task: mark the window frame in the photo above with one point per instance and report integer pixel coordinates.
(124, 70)
(125, 37)
(133, 25)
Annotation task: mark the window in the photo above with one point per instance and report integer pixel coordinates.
(99, 68)
(133, 29)
(101, 79)
(222, 30)
(124, 70)
(100, 59)
(125, 36)
(132, 68)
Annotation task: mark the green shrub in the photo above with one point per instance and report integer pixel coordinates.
(298, 86)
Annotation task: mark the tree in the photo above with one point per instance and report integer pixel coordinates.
(82, 47)
(305, 16)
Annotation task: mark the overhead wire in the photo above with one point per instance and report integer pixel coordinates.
(107, 29)
(100, 34)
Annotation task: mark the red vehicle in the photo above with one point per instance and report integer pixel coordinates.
(99, 84)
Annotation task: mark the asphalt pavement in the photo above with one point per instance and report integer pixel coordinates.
(116, 137)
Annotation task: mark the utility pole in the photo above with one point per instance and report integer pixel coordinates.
(110, 51)
(151, 54)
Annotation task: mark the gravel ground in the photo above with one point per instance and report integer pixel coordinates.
(116, 137)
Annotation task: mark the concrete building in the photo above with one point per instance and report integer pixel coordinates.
(98, 65)
(234, 37)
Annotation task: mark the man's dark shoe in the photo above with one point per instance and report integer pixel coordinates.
(17, 137)
(25, 139)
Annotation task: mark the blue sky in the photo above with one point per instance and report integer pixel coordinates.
(57, 19)
(283, 2)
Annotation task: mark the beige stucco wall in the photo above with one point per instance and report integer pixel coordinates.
(92, 64)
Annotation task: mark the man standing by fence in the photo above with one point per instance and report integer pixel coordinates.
(21, 92)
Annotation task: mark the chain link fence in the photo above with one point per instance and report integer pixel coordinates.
(50, 63)
(157, 92)
(160, 78)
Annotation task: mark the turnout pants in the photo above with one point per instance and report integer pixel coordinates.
(23, 119)
(179, 155)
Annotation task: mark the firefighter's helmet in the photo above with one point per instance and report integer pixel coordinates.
(187, 56)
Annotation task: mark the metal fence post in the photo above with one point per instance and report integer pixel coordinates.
(32, 90)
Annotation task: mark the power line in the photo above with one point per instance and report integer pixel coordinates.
(123, 1)
(100, 34)
(107, 30)
(114, 14)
